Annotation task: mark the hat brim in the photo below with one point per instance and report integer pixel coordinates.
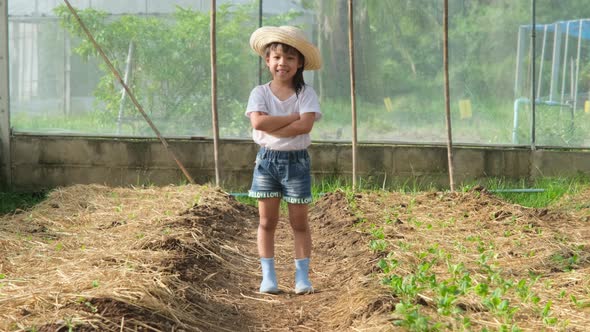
(267, 35)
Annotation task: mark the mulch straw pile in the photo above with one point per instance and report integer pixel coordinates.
(153, 259)
(183, 258)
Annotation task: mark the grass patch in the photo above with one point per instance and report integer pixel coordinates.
(552, 190)
(539, 193)
(244, 199)
(10, 201)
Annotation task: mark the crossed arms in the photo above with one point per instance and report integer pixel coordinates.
(283, 126)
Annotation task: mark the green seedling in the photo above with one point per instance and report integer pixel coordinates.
(410, 318)
(90, 306)
(546, 315)
(378, 245)
(387, 264)
(580, 304)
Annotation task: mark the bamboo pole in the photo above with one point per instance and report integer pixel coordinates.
(352, 92)
(214, 91)
(260, 12)
(533, 78)
(129, 92)
(447, 93)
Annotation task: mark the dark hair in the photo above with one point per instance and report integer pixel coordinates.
(298, 81)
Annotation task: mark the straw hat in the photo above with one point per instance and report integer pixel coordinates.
(291, 36)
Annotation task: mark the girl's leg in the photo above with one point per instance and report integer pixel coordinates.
(302, 238)
(301, 232)
(268, 209)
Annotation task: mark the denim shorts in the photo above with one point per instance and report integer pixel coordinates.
(283, 174)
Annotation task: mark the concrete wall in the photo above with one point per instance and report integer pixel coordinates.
(45, 162)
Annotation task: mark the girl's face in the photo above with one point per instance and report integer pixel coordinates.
(282, 65)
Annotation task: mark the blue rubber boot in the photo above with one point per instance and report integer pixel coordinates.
(269, 282)
(302, 284)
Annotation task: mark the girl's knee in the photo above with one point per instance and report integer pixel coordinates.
(300, 226)
(268, 224)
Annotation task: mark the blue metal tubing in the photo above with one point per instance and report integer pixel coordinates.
(529, 190)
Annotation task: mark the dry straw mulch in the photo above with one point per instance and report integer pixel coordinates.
(105, 259)
(177, 258)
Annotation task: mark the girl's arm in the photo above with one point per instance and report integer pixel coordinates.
(301, 126)
(268, 123)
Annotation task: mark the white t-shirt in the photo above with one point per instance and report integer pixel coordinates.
(263, 100)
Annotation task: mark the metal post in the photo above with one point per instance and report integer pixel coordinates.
(580, 30)
(555, 61)
(214, 91)
(519, 63)
(126, 78)
(565, 54)
(5, 161)
(352, 91)
(67, 98)
(542, 62)
(533, 108)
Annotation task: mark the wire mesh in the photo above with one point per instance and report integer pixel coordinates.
(58, 85)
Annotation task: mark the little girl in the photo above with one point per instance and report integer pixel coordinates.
(282, 113)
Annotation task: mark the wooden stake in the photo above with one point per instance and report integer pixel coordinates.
(214, 91)
(447, 94)
(352, 92)
(128, 90)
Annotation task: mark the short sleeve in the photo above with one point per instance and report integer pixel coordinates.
(309, 102)
(256, 102)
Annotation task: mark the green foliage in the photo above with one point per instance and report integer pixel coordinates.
(171, 72)
(554, 189)
(11, 201)
(411, 318)
(244, 199)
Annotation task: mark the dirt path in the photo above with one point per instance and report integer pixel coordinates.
(341, 266)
